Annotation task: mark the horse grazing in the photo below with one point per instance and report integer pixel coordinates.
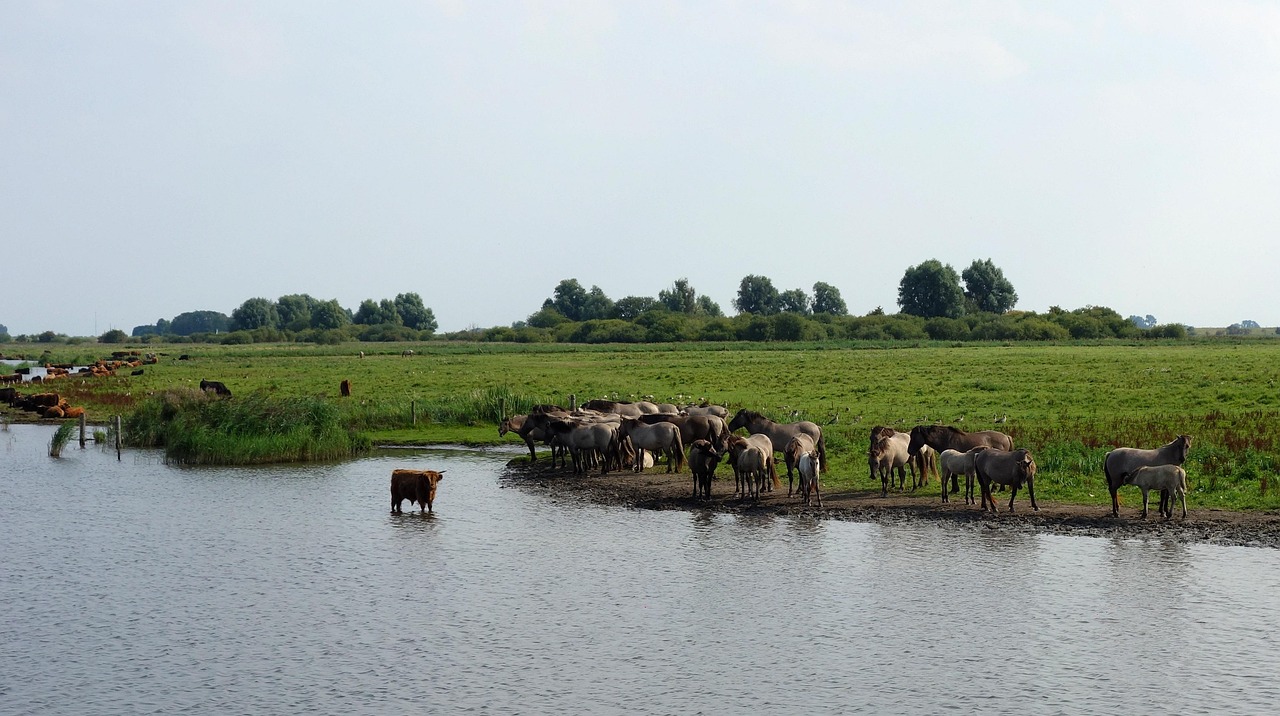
(217, 387)
(1005, 468)
(780, 433)
(703, 459)
(945, 437)
(529, 429)
(1171, 478)
(808, 468)
(1122, 461)
(415, 486)
(662, 438)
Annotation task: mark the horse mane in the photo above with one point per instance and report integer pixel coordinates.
(751, 414)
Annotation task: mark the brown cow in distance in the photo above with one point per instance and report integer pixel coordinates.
(344, 388)
(415, 486)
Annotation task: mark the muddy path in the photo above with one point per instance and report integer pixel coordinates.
(659, 491)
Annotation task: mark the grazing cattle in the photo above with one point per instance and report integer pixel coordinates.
(184, 356)
(662, 438)
(8, 395)
(1122, 461)
(945, 437)
(956, 463)
(780, 433)
(138, 372)
(344, 389)
(1002, 467)
(799, 445)
(809, 468)
(703, 459)
(406, 353)
(217, 387)
(73, 412)
(415, 486)
(1171, 478)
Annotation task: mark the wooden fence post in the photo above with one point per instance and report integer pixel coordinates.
(573, 402)
(413, 412)
(82, 429)
(119, 438)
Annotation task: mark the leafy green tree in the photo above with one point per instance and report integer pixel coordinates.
(413, 313)
(827, 300)
(987, 289)
(709, 308)
(329, 315)
(185, 324)
(546, 317)
(570, 299)
(793, 301)
(597, 305)
(756, 295)
(115, 335)
(680, 298)
(295, 311)
(629, 308)
(255, 313)
(931, 289)
(369, 313)
(47, 337)
(4, 328)
(1142, 322)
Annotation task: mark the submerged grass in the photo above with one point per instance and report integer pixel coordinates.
(61, 437)
(197, 428)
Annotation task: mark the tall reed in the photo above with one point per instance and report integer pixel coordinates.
(200, 429)
(61, 437)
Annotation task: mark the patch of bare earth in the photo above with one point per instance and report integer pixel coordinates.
(661, 491)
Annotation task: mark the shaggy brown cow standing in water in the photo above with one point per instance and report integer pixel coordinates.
(415, 486)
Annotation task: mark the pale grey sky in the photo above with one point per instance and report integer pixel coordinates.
(162, 157)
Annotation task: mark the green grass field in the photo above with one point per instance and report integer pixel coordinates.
(1069, 404)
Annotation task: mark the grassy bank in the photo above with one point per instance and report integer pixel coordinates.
(1068, 403)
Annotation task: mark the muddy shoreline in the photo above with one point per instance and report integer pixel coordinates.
(659, 491)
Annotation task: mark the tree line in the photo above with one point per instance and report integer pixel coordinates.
(935, 303)
(300, 317)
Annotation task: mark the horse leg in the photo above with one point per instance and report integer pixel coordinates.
(1144, 503)
(1013, 492)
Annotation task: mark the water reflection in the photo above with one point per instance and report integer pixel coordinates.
(292, 589)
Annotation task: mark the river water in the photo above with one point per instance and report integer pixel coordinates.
(133, 587)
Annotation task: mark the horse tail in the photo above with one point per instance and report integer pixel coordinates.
(822, 451)
(773, 472)
(679, 452)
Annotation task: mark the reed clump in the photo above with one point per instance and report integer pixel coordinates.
(196, 428)
(61, 437)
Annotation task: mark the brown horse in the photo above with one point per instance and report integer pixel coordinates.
(945, 437)
(780, 433)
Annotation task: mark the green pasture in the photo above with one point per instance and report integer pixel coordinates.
(1069, 404)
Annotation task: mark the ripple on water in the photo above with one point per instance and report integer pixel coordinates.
(133, 587)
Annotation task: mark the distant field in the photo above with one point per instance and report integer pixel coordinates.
(1068, 404)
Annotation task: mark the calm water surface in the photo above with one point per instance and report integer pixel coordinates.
(132, 587)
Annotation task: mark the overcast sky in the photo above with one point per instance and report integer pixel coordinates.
(157, 158)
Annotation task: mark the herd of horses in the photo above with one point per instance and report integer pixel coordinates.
(612, 435)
